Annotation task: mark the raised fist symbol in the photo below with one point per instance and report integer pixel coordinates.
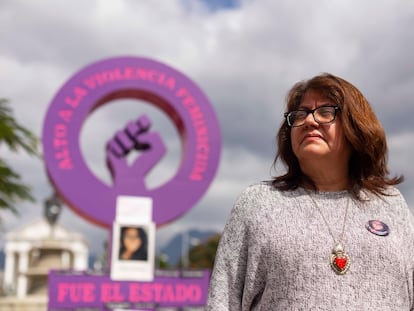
(135, 136)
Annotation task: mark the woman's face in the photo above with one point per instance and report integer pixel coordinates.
(319, 142)
(132, 240)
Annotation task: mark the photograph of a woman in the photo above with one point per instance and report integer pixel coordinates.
(133, 244)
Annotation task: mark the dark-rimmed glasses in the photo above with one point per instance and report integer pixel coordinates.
(321, 115)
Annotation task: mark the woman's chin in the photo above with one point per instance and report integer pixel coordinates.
(312, 150)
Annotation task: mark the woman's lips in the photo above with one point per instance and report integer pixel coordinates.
(312, 137)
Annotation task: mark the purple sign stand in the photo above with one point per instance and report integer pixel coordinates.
(189, 109)
(140, 78)
(97, 292)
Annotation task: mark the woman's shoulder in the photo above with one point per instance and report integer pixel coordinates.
(400, 212)
(392, 203)
(389, 194)
(393, 192)
(259, 190)
(253, 199)
(394, 197)
(257, 195)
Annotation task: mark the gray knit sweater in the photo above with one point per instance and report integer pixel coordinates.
(275, 249)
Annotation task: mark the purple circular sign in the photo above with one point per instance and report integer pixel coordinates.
(140, 78)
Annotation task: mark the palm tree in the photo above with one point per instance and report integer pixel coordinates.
(15, 137)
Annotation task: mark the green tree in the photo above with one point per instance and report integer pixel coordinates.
(15, 137)
(203, 255)
(161, 261)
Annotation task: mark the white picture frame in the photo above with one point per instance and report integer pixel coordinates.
(129, 265)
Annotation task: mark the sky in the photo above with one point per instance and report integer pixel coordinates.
(244, 55)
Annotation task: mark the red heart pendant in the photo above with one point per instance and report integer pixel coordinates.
(341, 262)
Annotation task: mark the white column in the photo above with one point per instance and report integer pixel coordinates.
(80, 261)
(22, 281)
(80, 255)
(9, 270)
(65, 260)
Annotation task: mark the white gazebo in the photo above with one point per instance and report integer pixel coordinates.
(36, 248)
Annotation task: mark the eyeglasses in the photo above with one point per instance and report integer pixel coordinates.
(322, 115)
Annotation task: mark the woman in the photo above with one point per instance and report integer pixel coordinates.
(303, 241)
(134, 245)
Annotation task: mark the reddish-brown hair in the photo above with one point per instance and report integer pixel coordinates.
(368, 163)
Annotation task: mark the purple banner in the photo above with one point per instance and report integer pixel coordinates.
(83, 291)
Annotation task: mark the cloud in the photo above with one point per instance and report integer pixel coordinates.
(244, 55)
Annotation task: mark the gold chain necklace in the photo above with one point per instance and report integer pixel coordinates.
(339, 259)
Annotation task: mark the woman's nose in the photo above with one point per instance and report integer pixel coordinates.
(310, 120)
